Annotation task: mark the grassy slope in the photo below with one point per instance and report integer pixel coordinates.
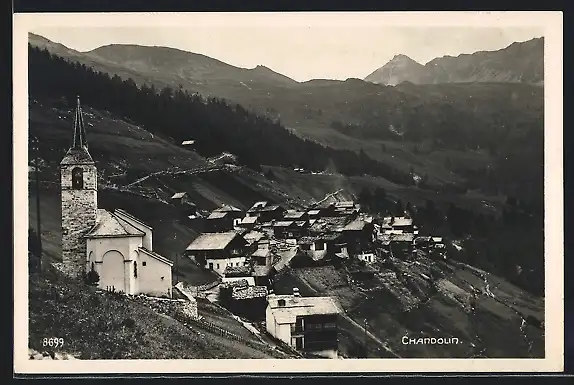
(495, 326)
(91, 325)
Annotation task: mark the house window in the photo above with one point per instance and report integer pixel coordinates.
(77, 178)
(281, 302)
(306, 247)
(135, 269)
(330, 325)
(320, 246)
(143, 263)
(210, 266)
(218, 266)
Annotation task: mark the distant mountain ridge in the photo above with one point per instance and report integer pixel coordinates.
(518, 63)
(188, 65)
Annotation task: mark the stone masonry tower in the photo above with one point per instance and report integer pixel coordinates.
(79, 191)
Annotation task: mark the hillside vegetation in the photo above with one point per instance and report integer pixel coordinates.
(98, 325)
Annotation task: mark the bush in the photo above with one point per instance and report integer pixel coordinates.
(92, 278)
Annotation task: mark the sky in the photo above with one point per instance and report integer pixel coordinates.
(301, 51)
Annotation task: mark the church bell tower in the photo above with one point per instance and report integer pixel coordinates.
(79, 192)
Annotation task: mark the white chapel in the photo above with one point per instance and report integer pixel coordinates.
(117, 245)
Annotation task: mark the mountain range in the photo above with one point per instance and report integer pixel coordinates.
(518, 63)
(352, 114)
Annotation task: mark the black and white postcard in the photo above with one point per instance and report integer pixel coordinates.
(288, 192)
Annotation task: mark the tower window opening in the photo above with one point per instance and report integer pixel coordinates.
(77, 178)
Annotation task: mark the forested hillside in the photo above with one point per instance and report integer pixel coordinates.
(213, 123)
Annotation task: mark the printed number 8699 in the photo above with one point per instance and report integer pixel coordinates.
(53, 342)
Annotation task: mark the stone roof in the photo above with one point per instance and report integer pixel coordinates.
(237, 271)
(232, 284)
(110, 225)
(249, 292)
(213, 241)
(261, 271)
(300, 306)
(329, 224)
(77, 156)
(356, 225)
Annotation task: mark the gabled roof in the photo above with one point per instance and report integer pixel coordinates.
(272, 208)
(217, 215)
(213, 241)
(110, 225)
(283, 223)
(356, 225)
(293, 214)
(178, 195)
(155, 256)
(237, 271)
(248, 220)
(257, 206)
(123, 213)
(227, 208)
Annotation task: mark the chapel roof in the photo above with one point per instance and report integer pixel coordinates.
(110, 225)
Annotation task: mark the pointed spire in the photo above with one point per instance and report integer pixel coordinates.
(79, 129)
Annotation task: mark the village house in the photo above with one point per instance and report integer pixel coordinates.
(358, 235)
(187, 208)
(247, 223)
(255, 210)
(314, 213)
(294, 215)
(317, 250)
(216, 251)
(346, 208)
(114, 244)
(223, 219)
(308, 324)
(438, 248)
(244, 300)
(181, 198)
(401, 244)
(399, 224)
(237, 273)
(271, 213)
(290, 229)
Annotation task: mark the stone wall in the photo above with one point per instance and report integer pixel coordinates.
(79, 211)
(177, 308)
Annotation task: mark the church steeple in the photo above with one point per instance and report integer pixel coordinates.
(79, 129)
(78, 152)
